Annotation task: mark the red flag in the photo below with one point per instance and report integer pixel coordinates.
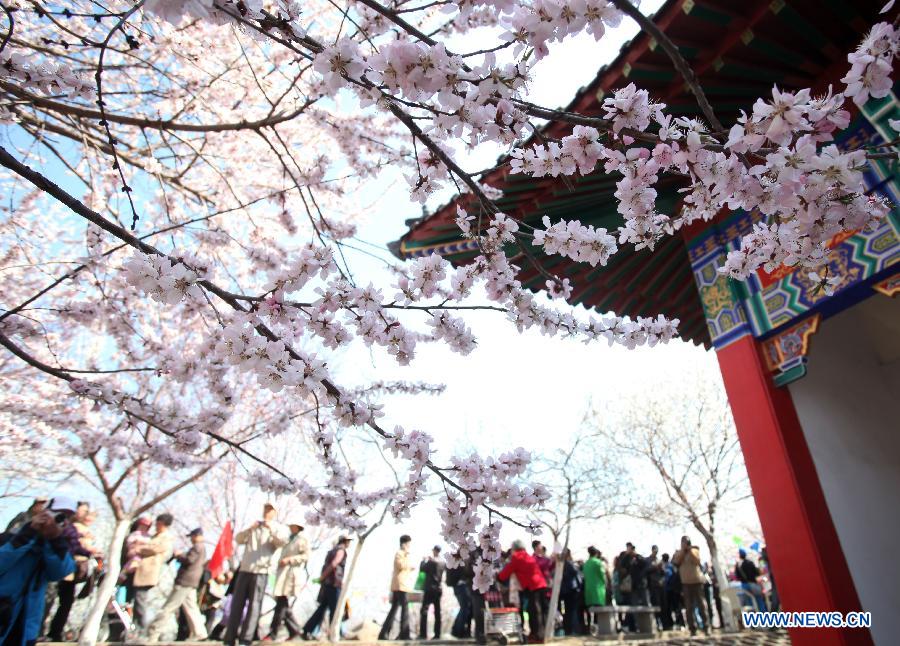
(224, 551)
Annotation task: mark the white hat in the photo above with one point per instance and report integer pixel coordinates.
(62, 503)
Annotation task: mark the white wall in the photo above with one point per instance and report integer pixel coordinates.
(849, 406)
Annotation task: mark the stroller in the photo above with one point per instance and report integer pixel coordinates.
(501, 623)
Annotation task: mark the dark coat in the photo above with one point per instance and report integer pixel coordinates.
(333, 568)
(462, 574)
(746, 571)
(637, 568)
(571, 578)
(192, 565)
(434, 574)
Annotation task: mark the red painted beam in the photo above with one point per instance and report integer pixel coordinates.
(810, 570)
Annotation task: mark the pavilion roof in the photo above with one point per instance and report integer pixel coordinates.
(738, 50)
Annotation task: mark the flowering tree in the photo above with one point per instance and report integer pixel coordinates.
(682, 453)
(38, 471)
(181, 177)
(122, 458)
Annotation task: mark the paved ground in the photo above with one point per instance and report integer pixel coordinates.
(744, 638)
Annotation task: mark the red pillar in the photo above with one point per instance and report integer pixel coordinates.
(807, 560)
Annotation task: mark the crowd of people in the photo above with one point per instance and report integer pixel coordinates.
(52, 541)
(682, 590)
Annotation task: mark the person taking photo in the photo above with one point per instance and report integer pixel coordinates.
(36, 554)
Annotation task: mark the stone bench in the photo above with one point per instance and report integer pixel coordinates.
(603, 619)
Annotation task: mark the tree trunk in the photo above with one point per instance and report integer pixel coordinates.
(334, 630)
(722, 582)
(91, 628)
(550, 620)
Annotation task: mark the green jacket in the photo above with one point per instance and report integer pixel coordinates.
(594, 582)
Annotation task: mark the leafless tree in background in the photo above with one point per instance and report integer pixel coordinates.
(681, 455)
(586, 485)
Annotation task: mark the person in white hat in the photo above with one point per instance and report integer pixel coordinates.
(37, 554)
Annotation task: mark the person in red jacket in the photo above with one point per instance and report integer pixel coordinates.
(534, 587)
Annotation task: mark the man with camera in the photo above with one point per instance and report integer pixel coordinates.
(29, 559)
(260, 541)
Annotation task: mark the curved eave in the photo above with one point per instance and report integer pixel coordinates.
(738, 51)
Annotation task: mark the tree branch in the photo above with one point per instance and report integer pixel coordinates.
(671, 50)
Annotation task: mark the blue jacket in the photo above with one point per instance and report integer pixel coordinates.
(28, 560)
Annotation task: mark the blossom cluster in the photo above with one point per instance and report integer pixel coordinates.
(18, 326)
(484, 481)
(394, 387)
(415, 447)
(811, 191)
(786, 117)
(453, 331)
(581, 243)
(414, 69)
(872, 63)
(45, 75)
(473, 101)
(579, 151)
(630, 108)
(308, 262)
(503, 287)
(537, 24)
(164, 280)
(488, 479)
(275, 365)
(559, 289)
(232, 12)
(347, 413)
(459, 524)
(183, 441)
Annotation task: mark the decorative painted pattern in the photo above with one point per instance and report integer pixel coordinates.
(444, 249)
(720, 296)
(785, 353)
(769, 302)
(889, 286)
